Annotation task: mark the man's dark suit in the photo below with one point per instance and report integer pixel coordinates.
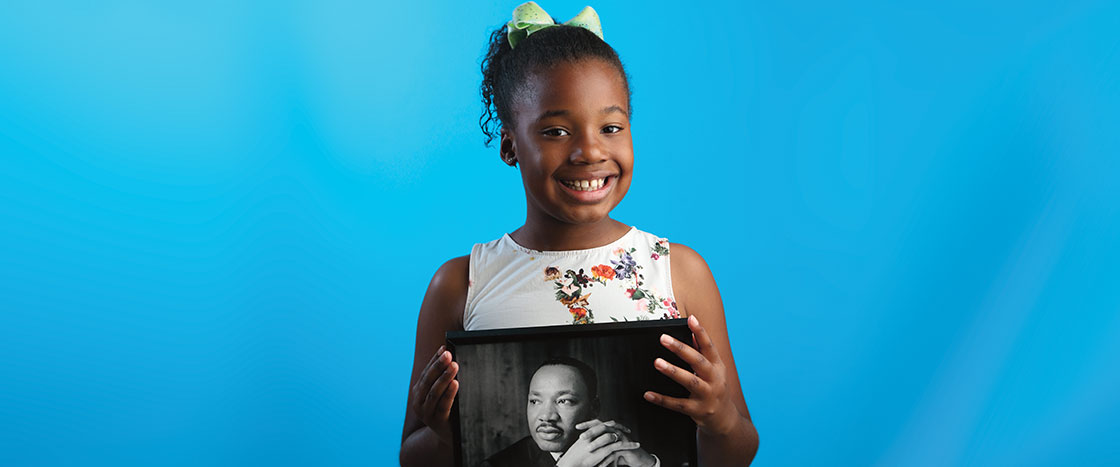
(524, 453)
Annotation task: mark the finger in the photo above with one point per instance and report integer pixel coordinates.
(587, 424)
(604, 429)
(703, 340)
(596, 421)
(614, 436)
(694, 358)
(689, 380)
(610, 460)
(676, 404)
(433, 370)
(616, 425)
(596, 457)
(439, 387)
(431, 362)
(439, 353)
(594, 432)
(443, 408)
(612, 447)
(604, 439)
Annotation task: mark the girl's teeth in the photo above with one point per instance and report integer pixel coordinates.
(585, 185)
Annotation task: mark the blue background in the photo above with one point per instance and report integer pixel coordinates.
(217, 220)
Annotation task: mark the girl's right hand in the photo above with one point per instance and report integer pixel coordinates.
(434, 393)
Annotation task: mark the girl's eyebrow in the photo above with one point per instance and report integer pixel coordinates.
(552, 113)
(613, 108)
(562, 112)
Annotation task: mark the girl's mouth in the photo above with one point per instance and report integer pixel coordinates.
(590, 190)
(585, 185)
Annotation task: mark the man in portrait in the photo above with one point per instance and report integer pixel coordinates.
(562, 404)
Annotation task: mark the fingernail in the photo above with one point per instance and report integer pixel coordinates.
(649, 396)
(659, 364)
(665, 339)
(692, 320)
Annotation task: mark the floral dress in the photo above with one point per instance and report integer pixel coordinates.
(513, 286)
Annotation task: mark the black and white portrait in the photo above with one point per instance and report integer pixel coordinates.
(533, 399)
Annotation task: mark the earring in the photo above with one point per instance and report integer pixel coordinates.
(509, 159)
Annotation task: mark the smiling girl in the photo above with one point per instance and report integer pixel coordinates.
(558, 100)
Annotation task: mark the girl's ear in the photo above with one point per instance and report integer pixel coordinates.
(507, 149)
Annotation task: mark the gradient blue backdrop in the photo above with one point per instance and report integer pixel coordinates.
(217, 220)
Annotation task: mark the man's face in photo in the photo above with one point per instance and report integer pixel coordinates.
(558, 401)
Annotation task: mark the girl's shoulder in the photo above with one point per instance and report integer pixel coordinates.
(447, 293)
(452, 275)
(693, 283)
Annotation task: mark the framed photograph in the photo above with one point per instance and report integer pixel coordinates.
(524, 391)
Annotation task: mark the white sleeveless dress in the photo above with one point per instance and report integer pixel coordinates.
(512, 286)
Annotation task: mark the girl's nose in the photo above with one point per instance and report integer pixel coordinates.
(588, 150)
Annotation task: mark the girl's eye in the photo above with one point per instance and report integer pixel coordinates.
(555, 132)
(612, 129)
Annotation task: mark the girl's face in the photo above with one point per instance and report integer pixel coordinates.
(572, 139)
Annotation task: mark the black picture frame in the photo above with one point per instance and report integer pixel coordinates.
(496, 366)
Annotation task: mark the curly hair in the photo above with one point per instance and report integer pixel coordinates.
(505, 69)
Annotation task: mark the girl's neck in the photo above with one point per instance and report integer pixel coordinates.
(559, 236)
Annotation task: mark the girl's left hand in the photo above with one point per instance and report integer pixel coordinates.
(709, 404)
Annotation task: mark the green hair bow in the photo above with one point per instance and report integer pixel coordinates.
(530, 17)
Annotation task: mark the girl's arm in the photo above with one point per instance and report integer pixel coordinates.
(429, 443)
(724, 436)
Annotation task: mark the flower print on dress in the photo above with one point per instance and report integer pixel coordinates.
(642, 304)
(579, 278)
(570, 293)
(661, 248)
(629, 271)
(574, 301)
(602, 273)
(625, 267)
(573, 286)
(671, 311)
(570, 290)
(579, 315)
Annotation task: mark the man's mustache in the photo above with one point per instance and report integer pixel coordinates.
(546, 426)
